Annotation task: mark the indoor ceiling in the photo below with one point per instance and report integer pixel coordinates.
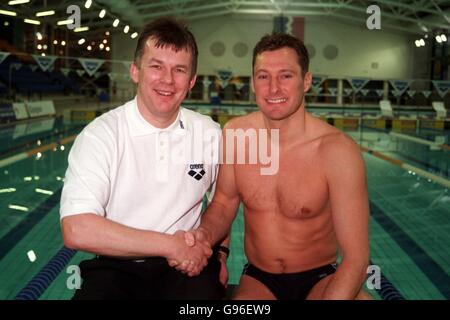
(408, 16)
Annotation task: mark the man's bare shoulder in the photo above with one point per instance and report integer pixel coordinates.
(341, 157)
(336, 146)
(251, 120)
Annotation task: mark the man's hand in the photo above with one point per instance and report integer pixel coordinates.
(223, 275)
(190, 255)
(201, 235)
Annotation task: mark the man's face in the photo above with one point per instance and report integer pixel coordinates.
(278, 83)
(164, 78)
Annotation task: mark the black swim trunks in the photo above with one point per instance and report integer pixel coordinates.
(290, 286)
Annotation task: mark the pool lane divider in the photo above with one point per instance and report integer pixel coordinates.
(16, 234)
(411, 138)
(433, 144)
(30, 153)
(438, 179)
(387, 290)
(14, 150)
(430, 268)
(43, 279)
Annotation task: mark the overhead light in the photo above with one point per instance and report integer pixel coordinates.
(8, 13)
(134, 35)
(65, 22)
(101, 46)
(417, 42)
(88, 4)
(14, 2)
(63, 43)
(105, 41)
(38, 35)
(39, 46)
(438, 39)
(6, 23)
(126, 29)
(42, 54)
(32, 21)
(16, 207)
(7, 190)
(422, 42)
(102, 13)
(45, 13)
(107, 49)
(81, 29)
(44, 46)
(54, 42)
(443, 38)
(89, 48)
(116, 23)
(43, 191)
(107, 33)
(31, 255)
(81, 41)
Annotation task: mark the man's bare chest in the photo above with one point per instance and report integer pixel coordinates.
(298, 190)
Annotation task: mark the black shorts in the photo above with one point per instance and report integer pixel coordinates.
(289, 286)
(151, 278)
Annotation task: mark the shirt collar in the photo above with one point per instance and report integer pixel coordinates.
(139, 126)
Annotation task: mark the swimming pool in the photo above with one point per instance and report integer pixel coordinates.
(409, 225)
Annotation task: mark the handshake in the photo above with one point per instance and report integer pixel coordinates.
(191, 251)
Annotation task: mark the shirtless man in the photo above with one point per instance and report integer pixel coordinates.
(298, 219)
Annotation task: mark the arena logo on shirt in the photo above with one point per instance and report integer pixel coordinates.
(196, 171)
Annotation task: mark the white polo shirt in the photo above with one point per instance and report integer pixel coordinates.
(124, 169)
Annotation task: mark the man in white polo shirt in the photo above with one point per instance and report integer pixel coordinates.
(136, 179)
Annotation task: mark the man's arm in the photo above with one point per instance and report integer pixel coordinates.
(96, 234)
(344, 168)
(218, 217)
(216, 221)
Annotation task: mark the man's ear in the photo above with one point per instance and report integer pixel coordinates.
(307, 80)
(134, 73)
(252, 85)
(192, 81)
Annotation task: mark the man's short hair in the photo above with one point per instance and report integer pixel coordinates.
(275, 41)
(167, 32)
